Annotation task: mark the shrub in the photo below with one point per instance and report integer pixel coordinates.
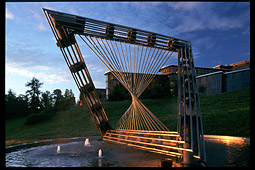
(39, 117)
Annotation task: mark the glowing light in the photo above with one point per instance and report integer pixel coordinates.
(58, 149)
(100, 153)
(87, 143)
(197, 157)
(226, 139)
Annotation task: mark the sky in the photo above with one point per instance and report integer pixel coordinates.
(219, 33)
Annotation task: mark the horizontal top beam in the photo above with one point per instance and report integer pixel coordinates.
(91, 27)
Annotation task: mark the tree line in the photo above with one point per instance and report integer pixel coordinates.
(36, 103)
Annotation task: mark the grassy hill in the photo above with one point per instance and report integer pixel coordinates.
(222, 114)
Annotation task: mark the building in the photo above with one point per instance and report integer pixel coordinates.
(173, 70)
(238, 77)
(220, 82)
(236, 66)
(210, 83)
(236, 80)
(214, 80)
(112, 81)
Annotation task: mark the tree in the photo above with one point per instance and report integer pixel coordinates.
(68, 100)
(67, 93)
(34, 94)
(10, 102)
(22, 105)
(46, 99)
(15, 106)
(71, 98)
(57, 97)
(10, 96)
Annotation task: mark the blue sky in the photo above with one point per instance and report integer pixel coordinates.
(219, 33)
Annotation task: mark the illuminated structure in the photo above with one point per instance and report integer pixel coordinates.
(124, 50)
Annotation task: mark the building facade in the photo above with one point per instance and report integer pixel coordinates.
(220, 82)
(210, 81)
(173, 70)
(236, 80)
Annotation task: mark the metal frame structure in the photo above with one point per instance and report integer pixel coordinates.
(187, 143)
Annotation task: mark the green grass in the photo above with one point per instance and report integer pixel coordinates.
(222, 114)
(72, 123)
(227, 113)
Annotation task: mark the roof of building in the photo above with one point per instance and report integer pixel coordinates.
(107, 72)
(240, 63)
(230, 72)
(235, 71)
(223, 69)
(209, 74)
(218, 67)
(127, 72)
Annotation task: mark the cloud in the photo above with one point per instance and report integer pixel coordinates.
(196, 53)
(246, 31)
(194, 16)
(31, 62)
(43, 67)
(8, 14)
(37, 15)
(49, 5)
(205, 42)
(42, 27)
(97, 67)
(33, 55)
(73, 11)
(184, 5)
(94, 65)
(42, 73)
(29, 53)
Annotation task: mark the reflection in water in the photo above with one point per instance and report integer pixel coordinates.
(57, 162)
(220, 151)
(228, 140)
(99, 162)
(227, 150)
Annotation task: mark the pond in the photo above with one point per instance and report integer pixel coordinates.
(221, 151)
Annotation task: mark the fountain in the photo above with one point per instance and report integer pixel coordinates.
(100, 153)
(58, 149)
(223, 151)
(87, 143)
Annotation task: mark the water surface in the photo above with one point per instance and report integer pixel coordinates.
(221, 151)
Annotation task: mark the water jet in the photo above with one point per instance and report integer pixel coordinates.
(100, 153)
(58, 149)
(87, 143)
